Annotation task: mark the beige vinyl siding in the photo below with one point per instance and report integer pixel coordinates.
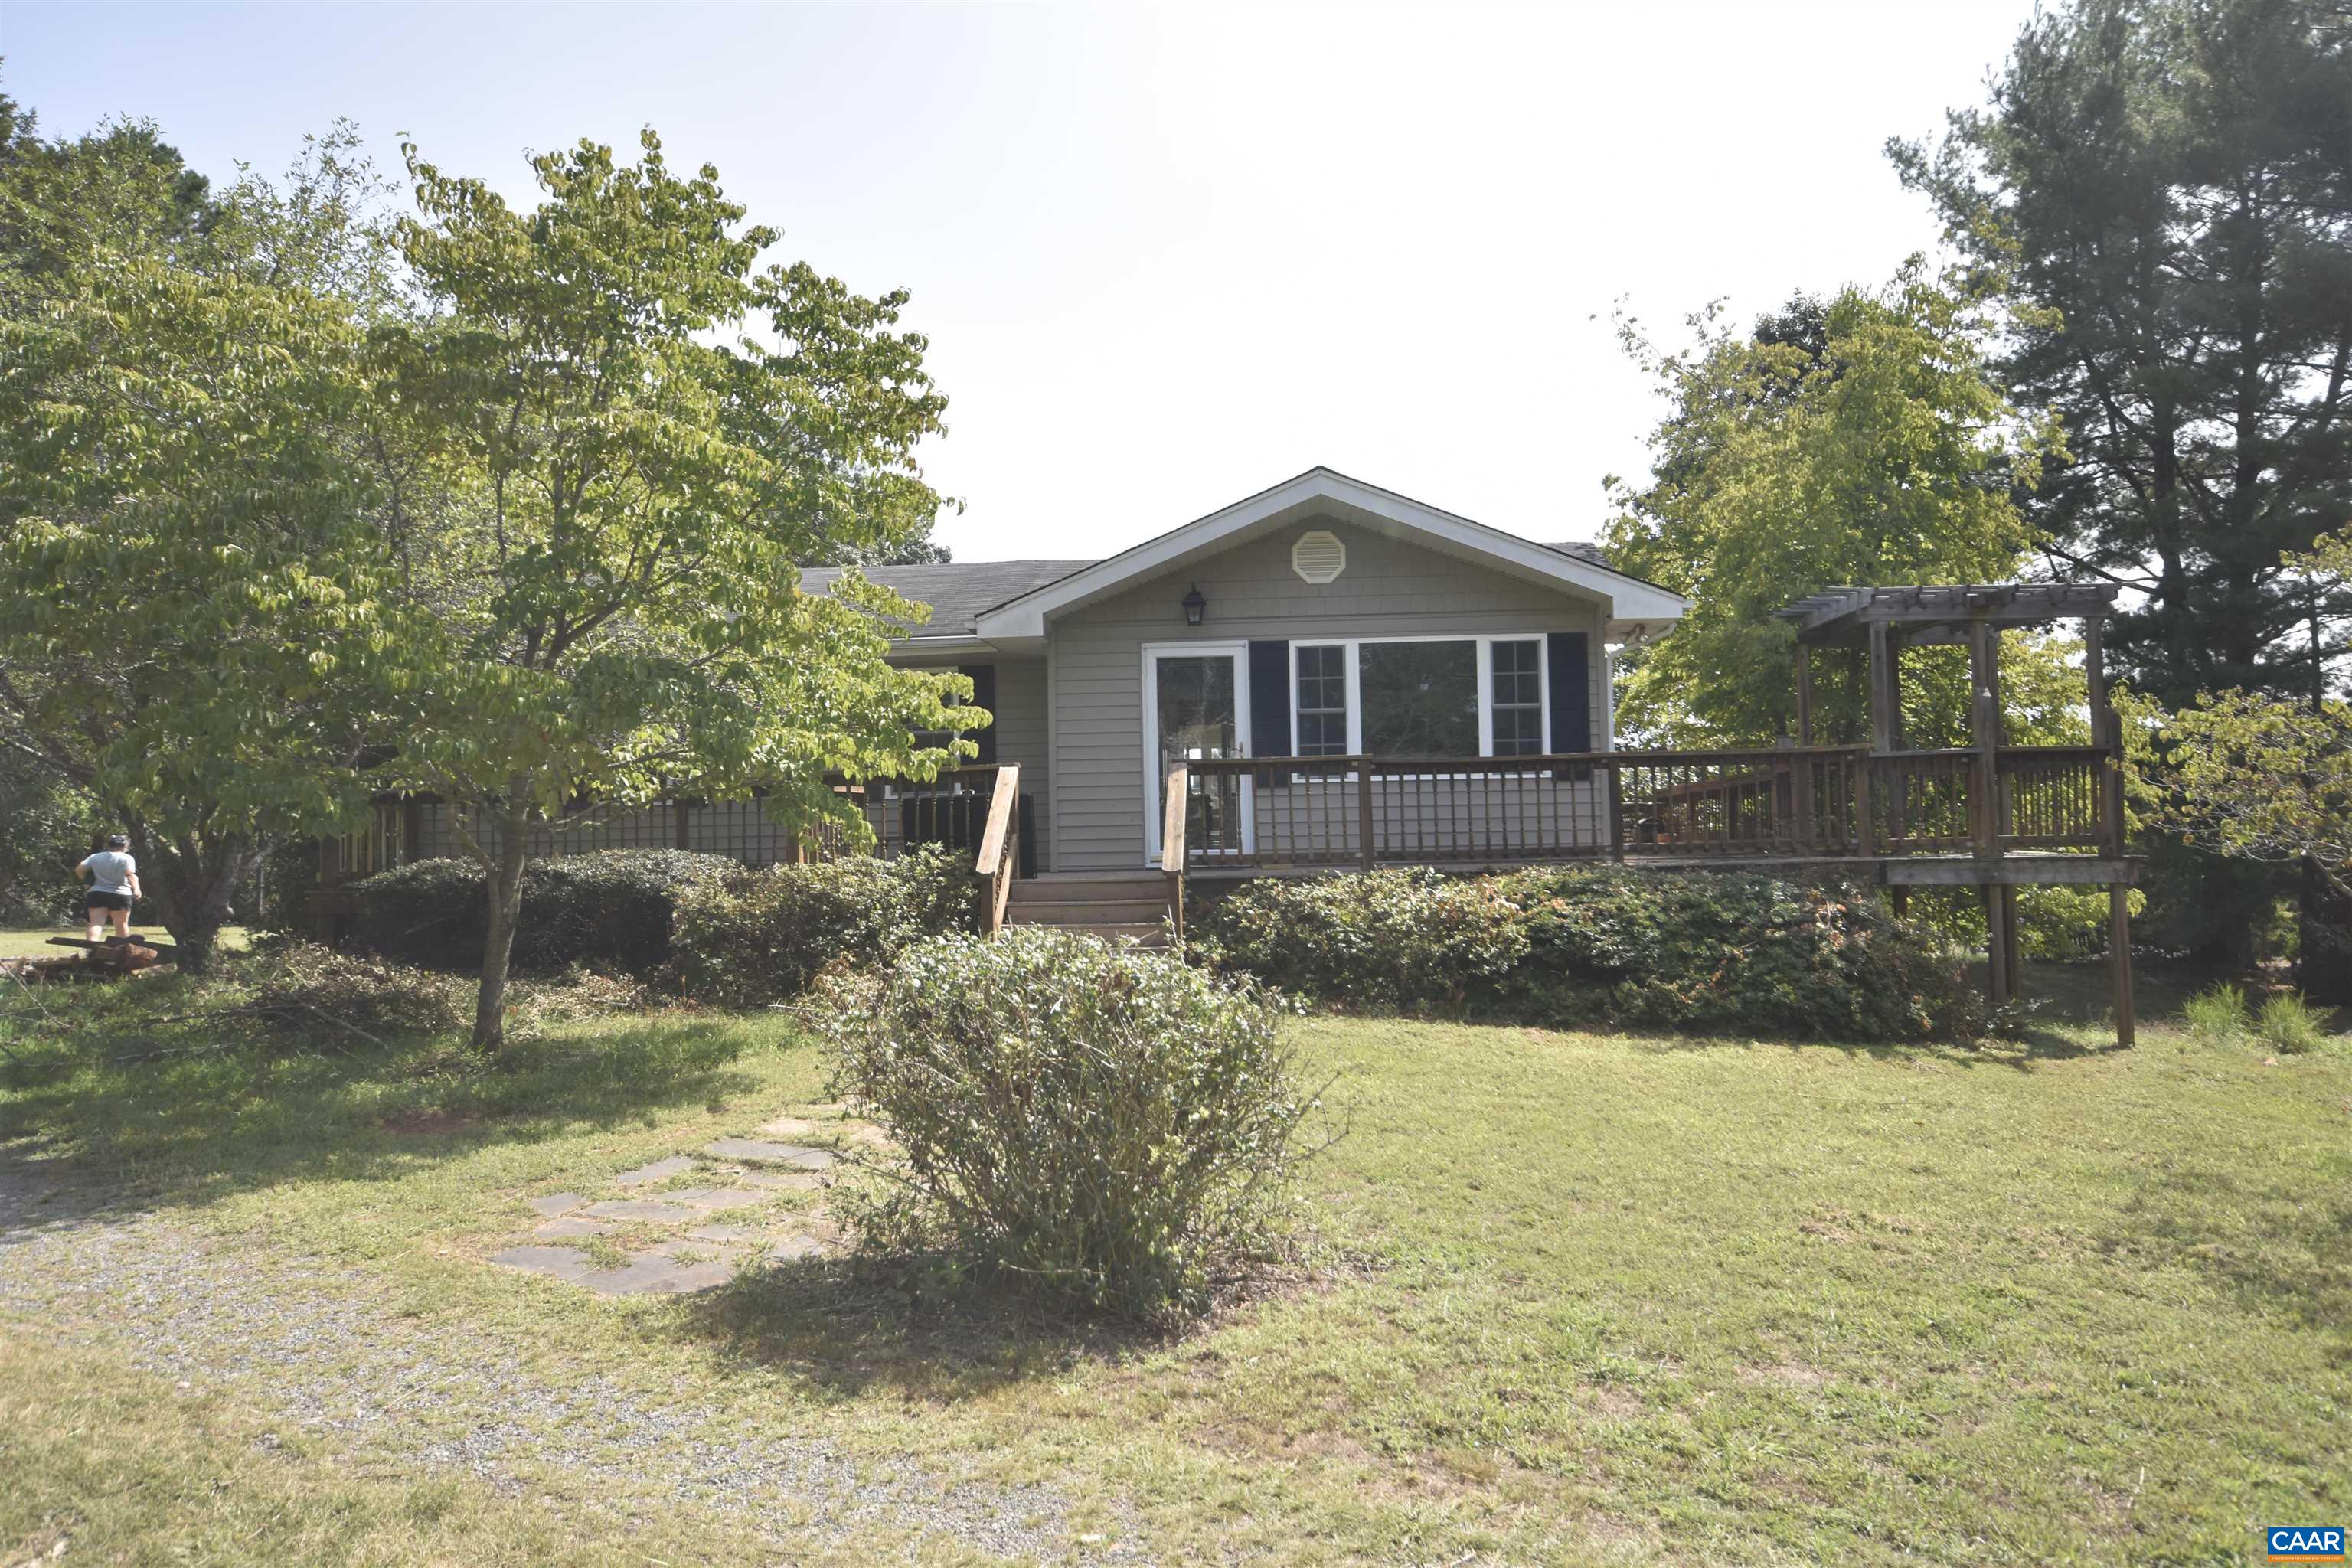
(1390, 588)
(1021, 732)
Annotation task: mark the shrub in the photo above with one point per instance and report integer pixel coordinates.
(756, 937)
(1108, 1126)
(2217, 1015)
(616, 907)
(2292, 1025)
(1390, 938)
(1698, 950)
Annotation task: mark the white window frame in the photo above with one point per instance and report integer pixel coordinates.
(1484, 641)
(1238, 651)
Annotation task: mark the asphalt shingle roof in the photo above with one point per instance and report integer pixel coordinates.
(957, 591)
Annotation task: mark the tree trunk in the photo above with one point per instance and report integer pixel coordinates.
(195, 877)
(505, 884)
(2323, 937)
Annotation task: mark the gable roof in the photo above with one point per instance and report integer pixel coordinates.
(1634, 608)
(956, 591)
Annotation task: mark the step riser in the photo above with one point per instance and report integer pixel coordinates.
(1091, 914)
(1035, 890)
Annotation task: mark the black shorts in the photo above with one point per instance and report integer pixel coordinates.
(107, 902)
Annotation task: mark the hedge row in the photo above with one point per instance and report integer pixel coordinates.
(1705, 952)
(718, 931)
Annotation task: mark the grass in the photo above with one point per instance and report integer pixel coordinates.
(1577, 1298)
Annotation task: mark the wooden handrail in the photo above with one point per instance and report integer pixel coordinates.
(1172, 804)
(1173, 811)
(1001, 803)
(999, 843)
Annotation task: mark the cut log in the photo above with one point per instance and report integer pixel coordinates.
(114, 944)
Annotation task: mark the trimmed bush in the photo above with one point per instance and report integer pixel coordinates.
(755, 937)
(1109, 1127)
(615, 909)
(1704, 952)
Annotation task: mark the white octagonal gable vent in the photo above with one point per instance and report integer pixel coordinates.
(1319, 556)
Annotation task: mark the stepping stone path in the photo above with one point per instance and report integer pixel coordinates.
(704, 1251)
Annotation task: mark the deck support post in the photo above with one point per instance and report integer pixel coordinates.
(1997, 977)
(1804, 695)
(2119, 960)
(1368, 839)
(1900, 895)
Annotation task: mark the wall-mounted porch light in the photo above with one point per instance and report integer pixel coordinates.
(1195, 606)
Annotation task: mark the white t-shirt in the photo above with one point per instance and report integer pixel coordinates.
(110, 871)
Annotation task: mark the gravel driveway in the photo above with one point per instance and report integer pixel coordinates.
(326, 1356)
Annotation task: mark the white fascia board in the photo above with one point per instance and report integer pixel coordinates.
(1627, 599)
(950, 643)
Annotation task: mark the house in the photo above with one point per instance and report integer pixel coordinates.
(1323, 617)
(1330, 675)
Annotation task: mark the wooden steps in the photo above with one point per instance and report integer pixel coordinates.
(1108, 904)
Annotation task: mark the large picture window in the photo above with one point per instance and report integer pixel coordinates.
(1419, 698)
(1424, 697)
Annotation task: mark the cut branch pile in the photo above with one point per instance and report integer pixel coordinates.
(113, 959)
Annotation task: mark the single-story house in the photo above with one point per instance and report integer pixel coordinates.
(1323, 617)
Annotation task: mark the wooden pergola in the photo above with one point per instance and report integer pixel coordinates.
(2001, 852)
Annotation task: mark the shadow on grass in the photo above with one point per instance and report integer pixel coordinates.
(232, 1116)
(842, 1328)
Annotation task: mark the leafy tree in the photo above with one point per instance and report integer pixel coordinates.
(637, 430)
(1857, 442)
(2168, 180)
(2266, 780)
(187, 603)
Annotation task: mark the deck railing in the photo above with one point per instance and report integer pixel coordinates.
(1785, 802)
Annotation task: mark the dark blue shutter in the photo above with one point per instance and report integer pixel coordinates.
(983, 695)
(1270, 689)
(1568, 670)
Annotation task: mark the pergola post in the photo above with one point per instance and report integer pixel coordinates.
(2106, 731)
(1885, 695)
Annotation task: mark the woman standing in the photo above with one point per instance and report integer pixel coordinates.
(114, 878)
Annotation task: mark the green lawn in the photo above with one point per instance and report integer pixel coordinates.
(1573, 1298)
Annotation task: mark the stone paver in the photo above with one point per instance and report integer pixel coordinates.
(570, 1225)
(760, 1152)
(715, 1199)
(659, 1171)
(702, 1250)
(567, 1263)
(779, 1181)
(650, 1210)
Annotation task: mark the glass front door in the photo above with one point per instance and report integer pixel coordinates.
(1196, 715)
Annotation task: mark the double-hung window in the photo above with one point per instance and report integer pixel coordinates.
(1322, 702)
(1516, 689)
(1419, 697)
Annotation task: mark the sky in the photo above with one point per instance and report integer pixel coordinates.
(1165, 256)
